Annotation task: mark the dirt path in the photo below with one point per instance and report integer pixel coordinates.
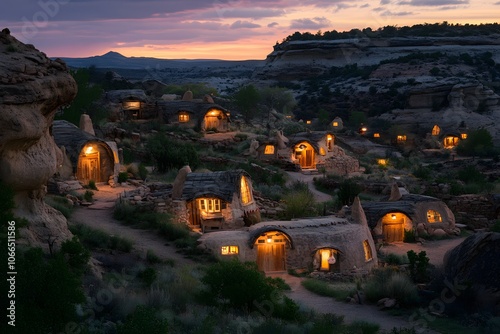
(351, 312)
(308, 179)
(100, 216)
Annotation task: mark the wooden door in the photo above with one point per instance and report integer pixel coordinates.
(194, 213)
(89, 168)
(271, 257)
(211, 122)
(307, 158)
(393, 232)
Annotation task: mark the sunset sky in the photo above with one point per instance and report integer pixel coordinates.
(214, 29)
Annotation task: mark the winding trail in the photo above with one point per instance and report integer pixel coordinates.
(308, 179)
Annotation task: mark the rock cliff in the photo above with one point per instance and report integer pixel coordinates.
(32, 88)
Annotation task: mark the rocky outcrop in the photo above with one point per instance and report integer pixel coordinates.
(306, 59)
(32, 89)
(475, 263)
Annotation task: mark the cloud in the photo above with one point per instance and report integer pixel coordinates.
(434, 3)
(310, 24)
(390, 13)
(385, 2)
(366, 5)
(273, 24)
(244, 24)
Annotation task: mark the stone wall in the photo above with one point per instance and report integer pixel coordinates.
(475, 211)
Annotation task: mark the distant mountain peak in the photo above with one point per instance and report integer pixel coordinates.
(113, 54)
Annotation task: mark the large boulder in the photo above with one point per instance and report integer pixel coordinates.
(474, 263)
(32, 88)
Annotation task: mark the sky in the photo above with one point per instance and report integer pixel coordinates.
(213, 29)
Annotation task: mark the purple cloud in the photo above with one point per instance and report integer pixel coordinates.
(310, 24)
(244, 24)
(434, 3)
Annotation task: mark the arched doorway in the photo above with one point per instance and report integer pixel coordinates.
(271, 251)
(215, 119)
(327, 259)
(304, 152)
(95, 163)
(394, 225)
(450, 141)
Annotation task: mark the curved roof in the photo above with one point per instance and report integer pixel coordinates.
(255, 234)
(72, 138)
(170, 108)
(222, 184)
(310, 137)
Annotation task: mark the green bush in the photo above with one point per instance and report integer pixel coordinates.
(97, 239)
(143, 320)
(365, 327)
(168, 153)
(88, 196)
(143, 172)
(339, 292)
(240, 285)
(395, 259)
(409, 236)
(419, 265)
(152, 258)
(348, 190)
(61, 204)
(299, 202)
(148, 276)
(389, 283)
(92, 185)
(122, 177)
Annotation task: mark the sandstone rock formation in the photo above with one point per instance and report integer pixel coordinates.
(475, 262)
(32, 88)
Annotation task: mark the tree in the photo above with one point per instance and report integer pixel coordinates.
(246, 100)
(478, 143)
(169, 153)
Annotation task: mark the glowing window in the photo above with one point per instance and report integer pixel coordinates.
(210, 205)
(434, 216)
(131, 105)
(246, 192)
(401, 138)
(308, 122)
(463, 136)
(335, 124)
(450, 141)
(376, 135)
(436, 130)
(229, 250)
(382, 162)
(322, 151)
(329, 142)
(368, 251)
(183, 117)
(269, 149)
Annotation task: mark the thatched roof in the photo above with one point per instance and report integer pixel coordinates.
(72, 138)
(121, 95)
(222, 184)
(199, 109)
(407, 205)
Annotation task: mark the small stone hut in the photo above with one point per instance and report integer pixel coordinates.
(216, 200)
(85, 157)
(425, 215)
(303, 244)
(199, 114)
(131, 103)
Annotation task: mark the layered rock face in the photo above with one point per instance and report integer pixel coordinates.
(32, 88)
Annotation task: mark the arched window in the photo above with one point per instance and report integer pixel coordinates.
(368, 251)
(434, 216)
(246, 191)
(329, 143)
(436, 130)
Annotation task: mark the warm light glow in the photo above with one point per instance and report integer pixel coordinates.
(376, 135)
(401, 138)
(436, 130)
(89, 149)
(434, 216)
(269, 239)
(335, 124)
(450, 141)
(463, 136)
(131, 105)
(269, 149)
(183, 117)
(229, 250)
(246, 191)
(302, 146)
(322, 151)
(210, 205)
(308, 121)
(368, 251)
(288, 116)
(393, 216)
(329, 142)
(382, 162)
(214, 113)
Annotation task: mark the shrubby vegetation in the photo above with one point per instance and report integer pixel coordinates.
(168, 153)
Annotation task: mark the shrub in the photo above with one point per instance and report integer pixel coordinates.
(88, 196)
(143, 172)
(364, 327)
(240, 285)
(143, 320)
(348, 190)
(95, 239)
(339, 292)
(395, 259)
(389, 283)
(61, 204)
(92, 185)
(148, 276)
(169, 154)
(152, 258)
(299, 202)
(419, 264)
(122, 177)
(409, 236)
